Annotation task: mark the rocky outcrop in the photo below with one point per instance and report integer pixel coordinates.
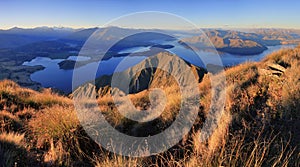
(157, 71)
(272, 69)
(276, 67)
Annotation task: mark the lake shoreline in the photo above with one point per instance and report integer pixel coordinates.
(229, 60)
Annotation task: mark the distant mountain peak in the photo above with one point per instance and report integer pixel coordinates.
(16, 28)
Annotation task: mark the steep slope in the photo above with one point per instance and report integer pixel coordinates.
(261, 115)
(259, 125)
(228, 41)
(145, 74)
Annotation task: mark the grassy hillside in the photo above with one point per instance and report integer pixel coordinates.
(259, 126)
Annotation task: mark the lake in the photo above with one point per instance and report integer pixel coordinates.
(53, 76)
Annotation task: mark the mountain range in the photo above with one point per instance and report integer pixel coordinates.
(153, 72)
(18, 45)
(15, 37)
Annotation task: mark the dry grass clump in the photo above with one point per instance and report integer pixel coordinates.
(48, 98)
(205, 94)
(53, 132)
(8, 85)
(276, 57)
(12, 138)
(291, 92)
(241, 149)
(16, 98)
(54, 123)
(118, 161)
(56, 130)
(12, 150)
(9, 122)
(141, 101)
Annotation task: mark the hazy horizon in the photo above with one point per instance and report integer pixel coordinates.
(204, 14)
(79, 28)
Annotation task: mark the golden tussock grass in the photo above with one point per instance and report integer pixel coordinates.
(242, 150)
(17, 98)
(247, 133)
(9, 121)
(258, 127)
(56, 129)
(118, 161)
(12, 148)
(14, 138)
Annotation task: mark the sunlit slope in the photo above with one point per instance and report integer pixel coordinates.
(259, 125)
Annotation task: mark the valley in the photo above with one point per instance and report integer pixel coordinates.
(22, 55)
(158, 83)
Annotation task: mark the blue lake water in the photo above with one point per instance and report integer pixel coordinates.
(135, 49)
(53, 76)
(78, 58)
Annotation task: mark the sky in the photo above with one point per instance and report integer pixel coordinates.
(202, 13)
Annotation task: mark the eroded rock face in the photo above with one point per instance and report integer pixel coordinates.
(272, 69)
(155, 71)
(86, 90)
(276, 67)
(145, 75)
